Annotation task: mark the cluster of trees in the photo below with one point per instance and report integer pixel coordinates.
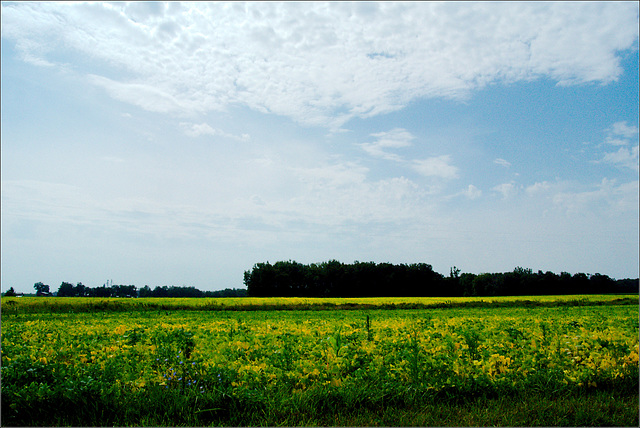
(524, 282)
(336, 279)
(174, 291)
(67, 289)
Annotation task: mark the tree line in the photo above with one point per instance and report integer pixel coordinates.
(369, 279)
(67, 289)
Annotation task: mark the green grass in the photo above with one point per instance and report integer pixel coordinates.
(331, 407)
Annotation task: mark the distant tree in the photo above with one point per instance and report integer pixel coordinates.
(80, 290)
(565, 282)
(176, 291)
(145, 291)
(336, 279)
(627, 285)
(481, 284)
(10, 292)
(466, 284)
(161, 291)
(454, 272)
(66, 289)
(227, 292)
(124, 291)
(41, 289)
(601, 284)
(579, 284)
(103, 291)
(549, 283)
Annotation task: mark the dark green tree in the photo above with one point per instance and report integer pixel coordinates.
(103, 291)
(80, 290)
(124, 291)
(41, 289)
(145, 292)
(66, 289)
(10, 292)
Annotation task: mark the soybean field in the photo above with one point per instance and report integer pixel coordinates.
(553, 361)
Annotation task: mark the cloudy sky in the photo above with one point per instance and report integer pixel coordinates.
(179, 144)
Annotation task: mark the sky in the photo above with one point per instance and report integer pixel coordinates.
(180, 144)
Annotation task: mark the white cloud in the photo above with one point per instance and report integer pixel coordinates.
(472, 192)
(331, 176)
(257, 200)
(36, 60)
(196, 130)
(439, 166)
(609, 198)
(624, 130)
(353, 201)
(322, 63)
(506, 189)
(616, 141)
(538, 188)
(620, 135)
(146, 96)
(396, 138)
(199, 129)
(113, 159)
(502, 162)
(624, 157)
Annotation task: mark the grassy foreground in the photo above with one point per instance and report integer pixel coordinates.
(570, 361)
(332, 407)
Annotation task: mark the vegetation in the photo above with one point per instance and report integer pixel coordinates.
(154, 304)
(10, 292)
(41, 289)
(560, 361)
(335, 279)
(67, 289)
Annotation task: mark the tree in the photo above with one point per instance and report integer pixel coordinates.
(601, 284)
(103, 291)
(145, 291)
(66, 290)
(124, 291)
(454, 272)
(482, 284)
(160, 291)
(10, 292)
(41, 289)
(80, 290)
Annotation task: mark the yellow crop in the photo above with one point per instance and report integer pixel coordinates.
(436, 348)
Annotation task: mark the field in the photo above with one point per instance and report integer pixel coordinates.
(526, 361)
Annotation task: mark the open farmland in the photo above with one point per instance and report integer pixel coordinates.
(557, 360)
(91, 304)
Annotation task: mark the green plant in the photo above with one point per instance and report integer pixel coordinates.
(414, 356)
(472, 339)
(335, 341)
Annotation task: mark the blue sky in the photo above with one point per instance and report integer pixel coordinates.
(179, 144)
